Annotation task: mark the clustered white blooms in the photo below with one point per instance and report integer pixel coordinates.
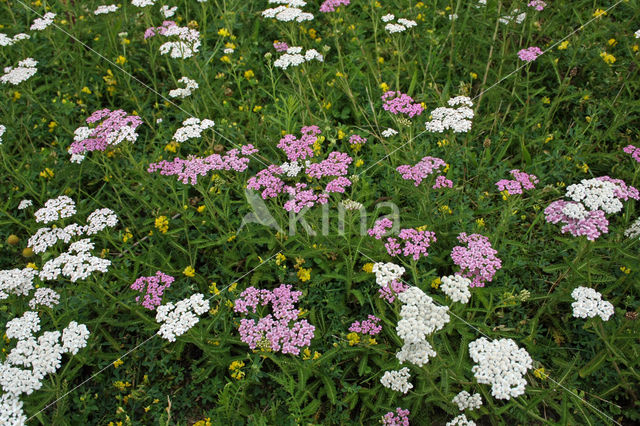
(419, 317)
(637, 34)
(167, 11)
(8, 41)
(104, 9)
(40, 24)
(23, 327)
(187, 90)
(100, 219)
(74, 337)
(289, 10)
(389, 132)
(16, 281)
(76, 263)
(143, 3)
(293, 168)
(457, 288)
(588, 303)
(11, 410)
(24, 204)
(397, 380)
(501, 364)
(44, 297)
(24, 71)
(351, 205)
(56, 208)
(634, 230)
(82, 133)
(2, 130)
(48, 237)
(294, 57)
(461, 420)
(192, 128)
(387, 272)
(465, 401)
(187, 44)
(456, 119)
(179, 318)
(516, 17)
(400, 25)
(595, 194)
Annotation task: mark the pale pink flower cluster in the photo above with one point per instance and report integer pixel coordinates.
(424, 168)
(477, 260)
(400, 103)
(538, 5)
(529, 54)
(633, 151)
(380, 228)
(369, 326)
(389, 291)
(577, 220)
(115, 127)
(281, 46)
(271, 180)
(399, 418)
(521, 181)
(188, 170)
(415, 242)
(153, 288)
(280, 330)
(332, 5)
(357, 139)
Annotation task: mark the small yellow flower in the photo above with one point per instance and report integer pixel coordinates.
(304, 274)
(563, 45)
(446, 209)
(189, 271)
(16, 96)
(231, 238)
(162, 224)
(625, 270)
(584, 167)
(312, 33)
(435, 283)
(225, 59)
(480, 222)
(588, 119)
(121, 60)
(608, 58)
(233, 286)
(634, 48)
(353, 338)
(612, 42)
(443, 142)
(505, 194)
(473, 75)
(280, 258)
(546, 100)
(368, 267)
(52, 126)
(47, 173)
(224, 32)
(341, 134)
(32, 265)
(549, 138)
(257, 108)
(380, 60)
(172, 147)
(248, 74)
(213, 289)
(384, 86)
(359, 162)
(201, 208)
(539, 373)
(117, 363)
(599, 13)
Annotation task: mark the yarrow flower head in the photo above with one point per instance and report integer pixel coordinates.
(588, 303)
(414, 243)
(457, 119)
(177, 319)
(424, 168)
(400, 103)
(153, 288)
(24, 71)
(464, 400)
(182, 92)
(114, 128)
(2, 130)
(10, 41)
(577, 220)
(629, 149)
(538, 5)
(457, 288)
(192, 128)
(634, 230)
(185, 41)
(40, 24)
(332, 5)
(477, 260)
(289, 10)
(399, 418)
(397, 380)
(56, 208)
(104, 9)
(521, 181)
(529, 54)
(369, 326)
(461, 420)
(501, 364)
(294, 57)
(281, 330)
(401, 24)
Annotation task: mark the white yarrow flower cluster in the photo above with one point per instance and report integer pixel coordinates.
(44, 297)
(24, 71)
(291, 169)
(192, 128)
(16, 281)
(457, 119)
(634, 230)
(103, 10)
(419, 317)
(24, 204)
(289, 10)
(2, 130)
(457, 288)
(397, 380)
(596, 194)
(294, 57)
(74, 337)
(387, 272)
(501, 364)
(56, 208)
(461, 420)
(23, 327)
(99, 220)
(465, 401)
(637, 34)
(40, 24)
(182, 92)
(179, 318)
(401, 25)
(143, 3)
(516, 17)
(351, 205)
(167, 11)
(389, 132)
(11, 412)
(588, 303)
(9, 41)
(187, 44)
(76, 263)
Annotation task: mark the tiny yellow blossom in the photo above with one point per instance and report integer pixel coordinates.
(563, 45)
(189, 271)
(225, 59)
(359, 162)
(480, 222)
(539, 373)
(608, 58)
(353, 338)
(368, 267)
(121, 60)
(117, 363)
(612, 42)
(248, 74)
(384, 86)
(599, 13)
(201, 208)
(224, 32)
(473, 75)
(546, 100)
(625, 270)
(435, 283)
(47, 173)
(304, 274)
(16, 96)
(162, 224)
(257, 108)
(280, 258)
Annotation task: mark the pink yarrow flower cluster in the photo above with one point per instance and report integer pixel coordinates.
(538, 5)
(521, 181)
(153, 288)
(424, 168)
(188, 170)
(391, 290)
(357, 139)
(115, 126)
(399, 418)
(633, 151)
(281, 46)
(400, 103)
(332, 5)
(415, 243)
(369, 326)
(477, 260)
(577, 221)
(380, 228)
(280, 330)
(271, 181)
(529, 54)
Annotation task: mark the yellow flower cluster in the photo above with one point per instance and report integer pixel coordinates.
(235, 367)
